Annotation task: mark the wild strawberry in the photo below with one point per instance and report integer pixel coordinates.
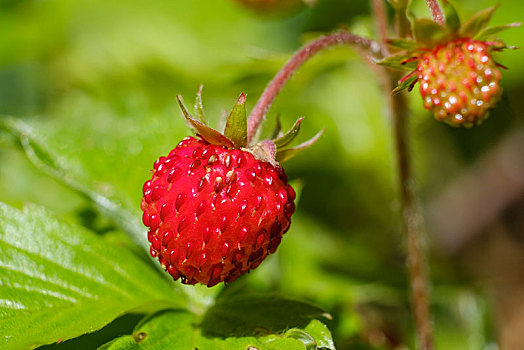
(459, 80)
(214, 208)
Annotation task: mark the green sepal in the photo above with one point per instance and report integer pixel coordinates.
(428, 33)
(277, 130)
(288, 153)
(477, 23)
(489, 31)
(210, 135)
(289, 136)
(403, 44)
(399, 61)
(405, 83)
(452, 17)
(499, 44)
(236, 124)
(199, 108)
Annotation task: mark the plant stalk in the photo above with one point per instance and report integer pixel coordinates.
(416, 255)
(436, 11)
(306, 52)
(381, 20)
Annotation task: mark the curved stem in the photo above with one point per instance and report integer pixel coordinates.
(436, 11)
(416, 256)
(307, 51)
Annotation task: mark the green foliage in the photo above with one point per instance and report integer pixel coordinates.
(60, 281)
(182, 330)
(92, 86)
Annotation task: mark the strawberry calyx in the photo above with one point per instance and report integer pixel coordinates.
(429, 35)
(234, 136)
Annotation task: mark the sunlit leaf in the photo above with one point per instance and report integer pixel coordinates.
(43, 160)
(237, 322)
(60, 281)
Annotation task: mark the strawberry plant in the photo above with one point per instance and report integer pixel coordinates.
(123, 226)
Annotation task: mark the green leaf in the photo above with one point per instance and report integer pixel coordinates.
(236, 322)
(289, 136)
(210, 135)
(199, 108)
(44, 161)
(490, 31)
(428, 33)
(198, 297)
(289, 153)
(477, 22)
(320, 332)
(60, 281)
(306, 338)
(236, 124)
(399, 62)
(452, 18)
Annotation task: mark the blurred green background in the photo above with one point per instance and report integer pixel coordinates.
(98, 79)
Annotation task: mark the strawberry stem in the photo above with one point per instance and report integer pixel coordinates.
(436, 11)
(381, 20)
(306, 52)
(416, 255)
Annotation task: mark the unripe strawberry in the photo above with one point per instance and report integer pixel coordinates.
(215, 206)
(459, 81)
(214, 213)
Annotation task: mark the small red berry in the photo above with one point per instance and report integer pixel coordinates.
(212, 221)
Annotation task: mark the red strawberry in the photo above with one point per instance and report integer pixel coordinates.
(214, 208)
(459, 80)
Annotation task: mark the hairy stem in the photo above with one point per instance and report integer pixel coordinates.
(416, 256)
(305, 53)
(436, 11)
(381, 20)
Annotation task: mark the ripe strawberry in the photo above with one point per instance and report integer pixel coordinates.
(459, 80)
(214, 208)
